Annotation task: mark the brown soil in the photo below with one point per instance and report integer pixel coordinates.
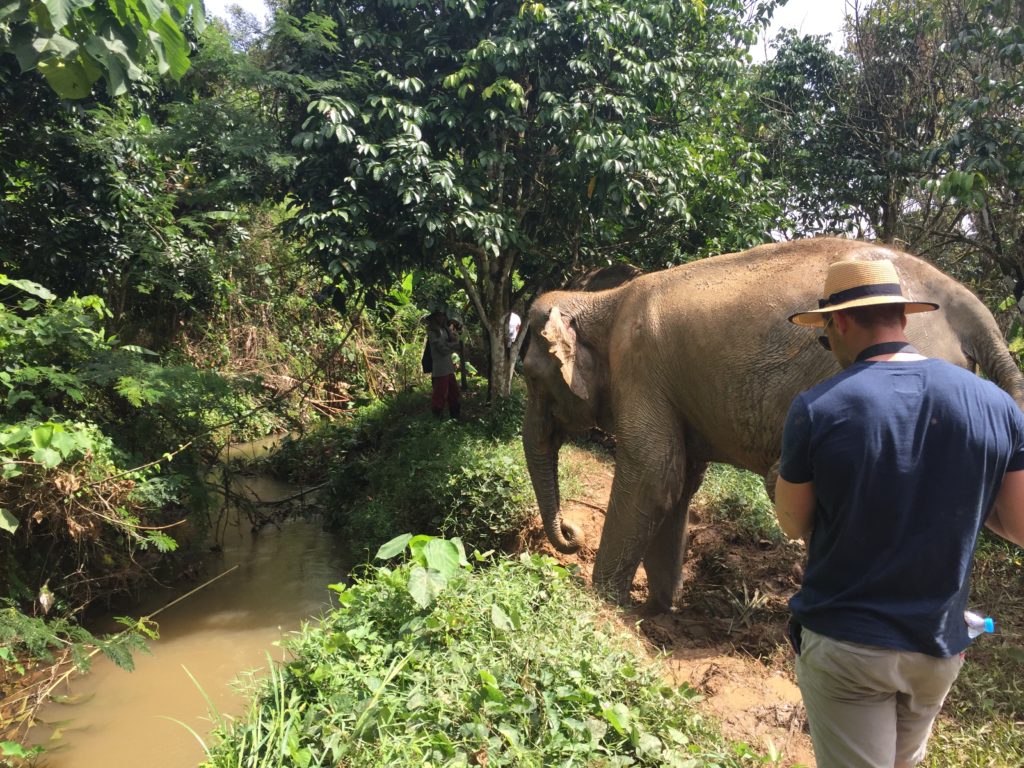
(727, 637)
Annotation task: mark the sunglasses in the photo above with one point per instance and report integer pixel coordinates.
(823, 338)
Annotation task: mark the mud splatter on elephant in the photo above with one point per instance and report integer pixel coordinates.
(697, 364)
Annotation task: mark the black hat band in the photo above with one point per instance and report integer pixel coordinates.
(861, 292)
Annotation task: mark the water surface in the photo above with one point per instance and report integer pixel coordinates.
(118, 718)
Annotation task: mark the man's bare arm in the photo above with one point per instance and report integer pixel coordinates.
(794, 508)
(1007, 517)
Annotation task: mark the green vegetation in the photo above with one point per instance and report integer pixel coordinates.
(215, 232)
(911, 134)
(73, 44)
(437, 662)
(980, 724)
(730, 494)
(393, 467)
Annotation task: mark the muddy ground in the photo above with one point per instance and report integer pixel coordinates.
(727, 639)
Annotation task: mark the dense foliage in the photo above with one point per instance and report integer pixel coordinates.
(73, 43)
(78, 410)
(910, 135)
(435, 662)
(393, 467)
(505, 144)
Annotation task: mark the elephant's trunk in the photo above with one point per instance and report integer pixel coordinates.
(542, 461)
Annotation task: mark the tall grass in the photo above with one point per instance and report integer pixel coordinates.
(736, 496)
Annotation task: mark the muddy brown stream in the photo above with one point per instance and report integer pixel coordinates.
(116, 718)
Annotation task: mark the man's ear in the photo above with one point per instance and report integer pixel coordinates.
(841, 321)
(561, 336)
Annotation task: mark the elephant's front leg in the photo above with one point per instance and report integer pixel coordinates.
(648, 485)
(667, 550)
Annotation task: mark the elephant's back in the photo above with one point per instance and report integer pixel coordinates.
(718, 337)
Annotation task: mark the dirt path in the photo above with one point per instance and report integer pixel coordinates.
(727, 639)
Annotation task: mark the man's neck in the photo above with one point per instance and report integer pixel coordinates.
(895, 355)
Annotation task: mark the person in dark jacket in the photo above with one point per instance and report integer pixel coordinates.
(443, 338)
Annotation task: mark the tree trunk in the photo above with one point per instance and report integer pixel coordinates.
(503, 357)
(491, 294)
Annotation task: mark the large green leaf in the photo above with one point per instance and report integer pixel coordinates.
(154, 9)
(442, 556)
(9, 9)
(174, 45)
(70, 79)
(42, 435)
(618, 715)
(61, 11)
(29, 287)
(500, 619)
(59, 45)
(62, 442)
(44, 29)
(48, 457)
(425, 585)
(393, 548)
(8, 522)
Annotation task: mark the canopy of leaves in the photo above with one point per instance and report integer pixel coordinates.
(75, 43)
(913, 135)
(136, 199)
(528, 137)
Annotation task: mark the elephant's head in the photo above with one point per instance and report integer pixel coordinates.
(566, 378)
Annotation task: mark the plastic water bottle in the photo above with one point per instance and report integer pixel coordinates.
(977, 625)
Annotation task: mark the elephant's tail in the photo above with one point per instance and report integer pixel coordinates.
(987, 348)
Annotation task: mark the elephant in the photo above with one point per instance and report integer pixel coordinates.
(698, 364)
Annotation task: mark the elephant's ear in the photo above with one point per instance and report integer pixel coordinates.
(562, 338)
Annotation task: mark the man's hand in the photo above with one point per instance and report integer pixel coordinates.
(794, 508)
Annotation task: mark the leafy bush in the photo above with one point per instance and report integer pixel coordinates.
(436, 663)
(450, 478)
(82, 420)
(393, 467)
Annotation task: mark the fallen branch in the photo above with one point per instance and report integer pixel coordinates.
(587, 504)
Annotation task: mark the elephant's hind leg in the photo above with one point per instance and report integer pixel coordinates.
(664, 559)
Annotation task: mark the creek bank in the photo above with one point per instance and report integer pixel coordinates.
(441, 659)
(270, 582)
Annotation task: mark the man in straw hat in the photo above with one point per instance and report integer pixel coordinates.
(889, 470)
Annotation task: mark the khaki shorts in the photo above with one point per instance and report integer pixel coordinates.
(870, 707)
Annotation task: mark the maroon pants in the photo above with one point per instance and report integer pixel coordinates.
(444, 389)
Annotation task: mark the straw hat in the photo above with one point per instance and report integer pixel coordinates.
(852, 284)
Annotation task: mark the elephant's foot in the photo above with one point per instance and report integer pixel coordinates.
(658, 605)
(662, 592)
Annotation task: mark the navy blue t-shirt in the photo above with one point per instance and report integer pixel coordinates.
(906, 460)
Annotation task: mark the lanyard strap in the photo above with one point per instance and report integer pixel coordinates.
(886, 348)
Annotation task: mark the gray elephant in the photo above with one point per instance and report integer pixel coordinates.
(697, 364)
